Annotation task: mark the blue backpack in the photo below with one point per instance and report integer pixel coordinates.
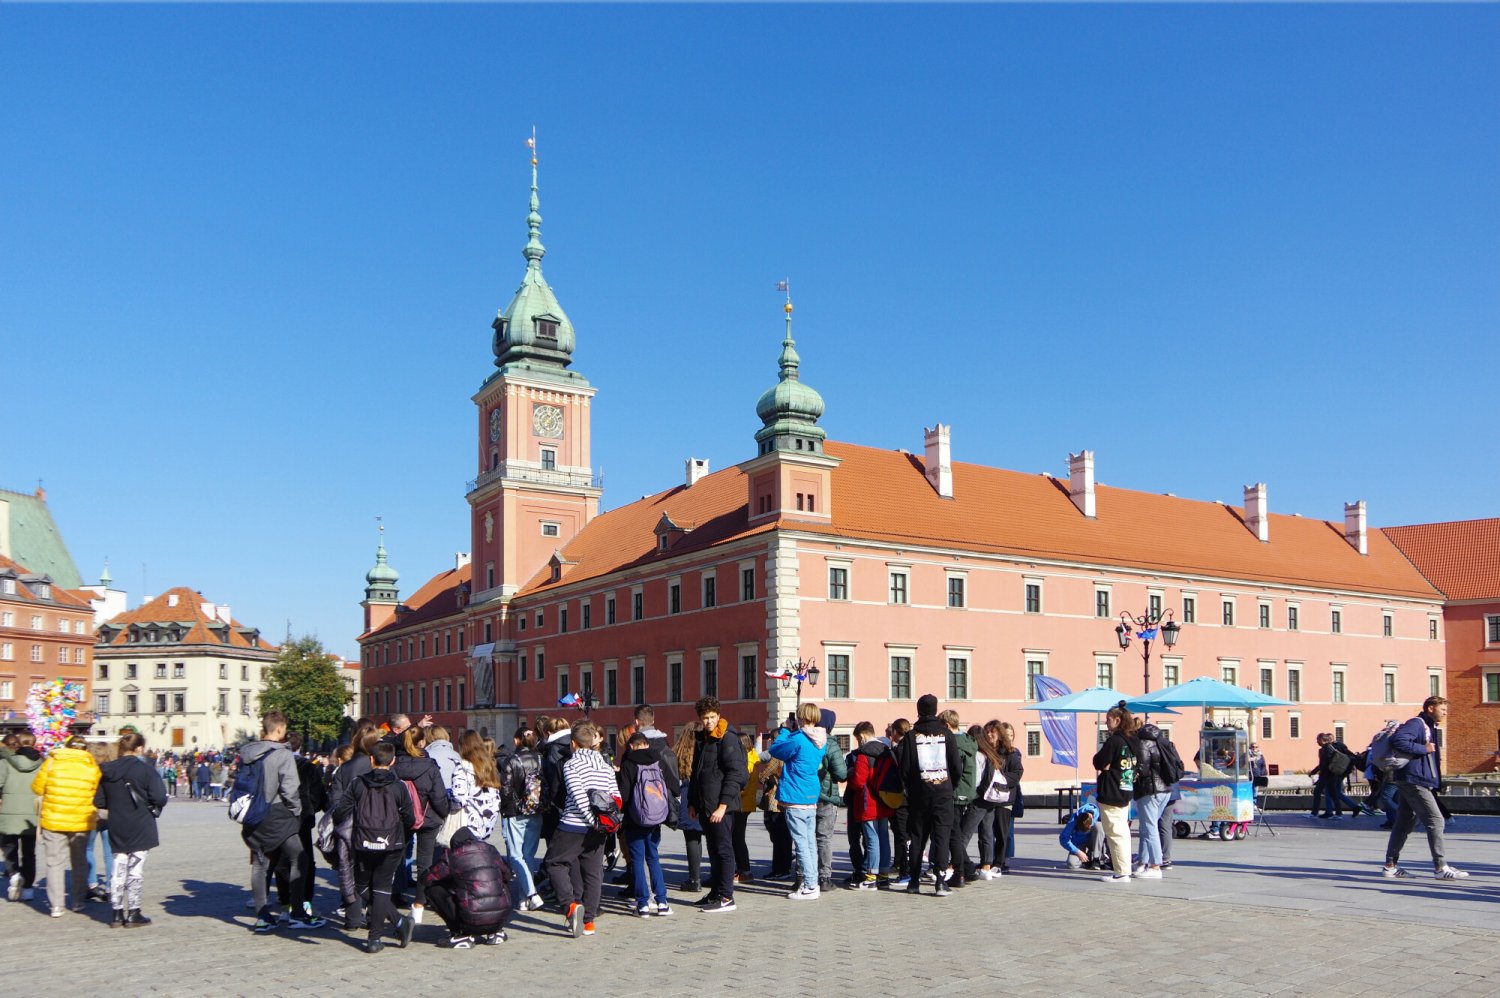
(247, 802)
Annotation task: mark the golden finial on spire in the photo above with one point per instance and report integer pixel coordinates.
(531, 144)
(786, 286)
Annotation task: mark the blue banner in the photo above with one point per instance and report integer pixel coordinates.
(1061, 729)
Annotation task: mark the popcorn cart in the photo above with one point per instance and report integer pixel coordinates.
(1221, 797)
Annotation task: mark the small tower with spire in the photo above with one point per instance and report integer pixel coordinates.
(791, 475)
(381, 594)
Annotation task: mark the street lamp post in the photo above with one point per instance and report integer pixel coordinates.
(588, 702)
(1147, 627)
(802, 671)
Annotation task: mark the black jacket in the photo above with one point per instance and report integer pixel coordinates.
(719, 772)
(428, 779)
(132, 816)
(1150, 764)
(630, 768)
(476, 875)
(929, 731)
(311, 790)
(1013, 769)
(349, 803)
(554, 754)
(1116, 764)
(346, 774)
(517, 769)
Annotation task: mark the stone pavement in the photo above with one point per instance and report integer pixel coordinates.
(1303, 913)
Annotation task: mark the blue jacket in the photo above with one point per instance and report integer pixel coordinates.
(1071, 838)
(802, 755)
(1411, 739)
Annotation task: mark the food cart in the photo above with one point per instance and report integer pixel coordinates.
(1222, 792)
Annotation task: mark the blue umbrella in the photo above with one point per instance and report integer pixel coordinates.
(1096, 700)
(1205, 692)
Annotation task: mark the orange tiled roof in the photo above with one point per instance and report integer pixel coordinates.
(1461, 558)
(436, 599)
(60, 596)
(884, 495)
(189, 611)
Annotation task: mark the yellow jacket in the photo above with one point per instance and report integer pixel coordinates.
(66, 784)
(752, 789)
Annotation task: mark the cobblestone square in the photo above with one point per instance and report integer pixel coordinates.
(1305, 912)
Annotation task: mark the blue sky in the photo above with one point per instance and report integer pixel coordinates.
(250, 256)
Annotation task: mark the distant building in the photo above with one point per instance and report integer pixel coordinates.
(29, 536)
(46, 633)
(1462, 559)
(181, 670)
(898, 574)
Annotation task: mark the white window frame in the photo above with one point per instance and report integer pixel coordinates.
(967, 655)
(847, 567)
(891, 571)
(550, 528)
(1041, 594)
(1485, 672)
(705, 656)
(1294, 725)
(908, 652)
(1029, 655)
(1173, 662)
(1263, 666)
(1101, 663)
(1267, 726)
(962, 576)
(1108, 592)
(1232, 666)
(1338, 672)
(1296, 668)
(831, 648)
(1491, 620)
(1041, 741)
(1438, 675)
(1389, 677)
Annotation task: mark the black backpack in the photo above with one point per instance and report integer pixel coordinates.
(1170, 768)
(377, 819)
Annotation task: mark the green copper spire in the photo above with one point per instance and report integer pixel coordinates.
(533, 335)
(104, 576)
(789, 411)
(381, 580)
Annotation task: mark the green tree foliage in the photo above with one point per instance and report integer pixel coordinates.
(305, 685)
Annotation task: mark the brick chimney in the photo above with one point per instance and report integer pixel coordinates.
(1081, 482)
(1257, 518)
(939, 443)
(1354, 526)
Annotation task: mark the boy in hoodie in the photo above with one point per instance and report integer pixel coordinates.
(273, 842)
(961, 870)
(1420, 742)
(1083, 838)
(802, 752)
(642, 832)
(645, 724)
(715, 783)
(18, 813)
(833, 771)
(869, 815)
(932, 766)
(378, 849)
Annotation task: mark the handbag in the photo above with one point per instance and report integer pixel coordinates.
(450, 827)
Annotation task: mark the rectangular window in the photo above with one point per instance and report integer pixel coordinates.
(101, 703)
(244, 704)
(956, 595)
(638, 683)
(161, 670)
(36, 622)
(1492, 687)
(179, 703)
(463, 702)
(551, 530)
(562, 682)
(1291, 618)
(36, 653)
(62, 654)
(1101, 603)
(838, 583)
(1336, 622)
(611, 687)
(1294, 725)
(1033, 597)
(958, 679)
(1153, 606)
(674, 682)
(1338, 686)
(1265, 616)
(1033, 743)
(132, 701)
(899, 588)
(838, 676)
(588, 615)
(710, 591)
(1432, 631)
(609, 610)
(1104, 672)
(223, 671)
(7, 690)
(1294, 685)
(7, 651)
(1390, 687)
(674, 598)
(900, 677)
(130, 671)
(1268, 681)
(549, 459)
(1434, 684)
(1385, 625)
(1034, 667)
(1189, 609)
(1228, 619)
(1492, 629)
(1229, 673)
(637, 605)
(160, 701)
(244, 673)
(179, 670)
(7, 619)
(1266, 727)
(710, 677)
(749, 677)
(103, 670)
(562, 620)
(747, 583)
(1338, 731)
(1171, 673)
(521, 667)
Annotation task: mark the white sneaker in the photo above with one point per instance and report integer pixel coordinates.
(1449, 873)
(534, 903)
(1112, 879)
(13, 893)
(804, 894)
(1395, 873)
(1149, 874)
(416, 914)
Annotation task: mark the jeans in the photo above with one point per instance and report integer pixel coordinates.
(828, 816)
(1164, 830)
(522, 833)
(95, 876)
(1151, 807)
(1117, 833)
(645, 856)
(1416, 802)
(877, 843)
(802, 822)
(1333, 789)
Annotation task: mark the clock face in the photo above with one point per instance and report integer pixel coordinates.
(495, 424)
(547, 421)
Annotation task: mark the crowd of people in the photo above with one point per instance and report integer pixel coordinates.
(403, 814)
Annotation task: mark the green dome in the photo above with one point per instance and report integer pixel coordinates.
(789, 410)
(382, 574)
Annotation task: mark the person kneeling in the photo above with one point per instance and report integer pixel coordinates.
(467, 887)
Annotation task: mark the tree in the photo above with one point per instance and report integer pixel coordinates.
(305, 685)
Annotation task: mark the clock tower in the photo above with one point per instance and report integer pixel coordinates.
(535, 488)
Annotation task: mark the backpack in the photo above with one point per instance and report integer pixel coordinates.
(998, 791)
(1170, 769)
(247, 802)
(377, 820)
(418, 809)
(648, 801)
(887, 782)
(1383, 755)
(1338, 763)
(604, 811)
(526, 788)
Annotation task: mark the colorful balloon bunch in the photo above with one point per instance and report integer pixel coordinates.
(50, 711)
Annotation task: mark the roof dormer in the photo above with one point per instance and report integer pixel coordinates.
(668, 533)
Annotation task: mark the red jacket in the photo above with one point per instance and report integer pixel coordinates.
(863, 802)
